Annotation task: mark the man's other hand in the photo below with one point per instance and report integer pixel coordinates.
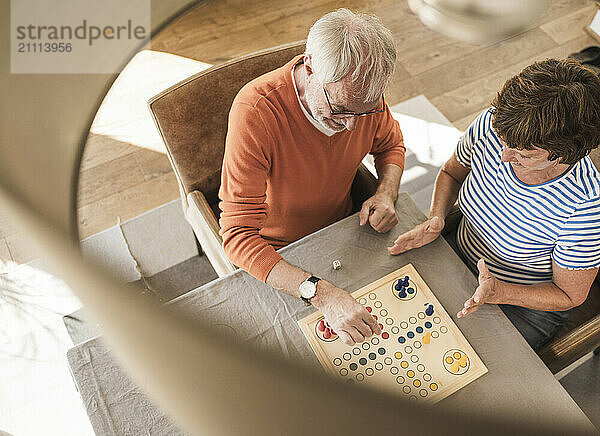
(421, 235)
(347, 317)
(379, 211)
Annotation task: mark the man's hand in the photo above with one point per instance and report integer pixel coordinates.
(348, 318)
(380, 212)
(421, 235)
(485, 292)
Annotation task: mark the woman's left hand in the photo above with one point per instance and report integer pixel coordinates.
(485, 292)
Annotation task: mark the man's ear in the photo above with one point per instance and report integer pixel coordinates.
(308, 65)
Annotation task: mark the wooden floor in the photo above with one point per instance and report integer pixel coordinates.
(123, 180)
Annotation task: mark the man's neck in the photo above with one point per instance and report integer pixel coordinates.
(300, 79)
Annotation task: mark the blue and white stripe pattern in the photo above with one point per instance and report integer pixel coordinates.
(517, 228)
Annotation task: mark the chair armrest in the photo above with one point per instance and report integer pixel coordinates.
(565, 350)
(363, 187)
(206, 227)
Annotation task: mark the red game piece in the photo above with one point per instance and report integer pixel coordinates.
(375, 316)
(327, 334)
(381, 326)
(368, 309)
(321, 326)
(333, 333)
(385, 335)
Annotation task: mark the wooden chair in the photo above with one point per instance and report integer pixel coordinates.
(191, 117)
(581, 333)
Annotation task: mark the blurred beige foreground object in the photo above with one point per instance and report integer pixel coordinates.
(479, 20)
(213, 386)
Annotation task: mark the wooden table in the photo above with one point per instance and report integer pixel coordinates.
(518, 386)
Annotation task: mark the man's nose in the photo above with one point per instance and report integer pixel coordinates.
(350, 122)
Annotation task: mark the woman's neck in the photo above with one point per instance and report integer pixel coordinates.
(536, 177)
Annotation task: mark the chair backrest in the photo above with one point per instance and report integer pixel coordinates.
(191, 116)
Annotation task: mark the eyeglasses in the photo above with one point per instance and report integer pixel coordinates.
(355, 114)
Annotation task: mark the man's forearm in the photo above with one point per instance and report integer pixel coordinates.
(287, 278)
(445, 193)
(389, 181)
(543, 296)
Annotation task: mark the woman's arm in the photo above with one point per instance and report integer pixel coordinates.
(568, 288)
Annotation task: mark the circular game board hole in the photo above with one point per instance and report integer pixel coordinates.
(421, 315)
(377, 304)
(356, 351)
(403, 325)
(366, 345)
(423, 392)
(375, 340)
(387, 360)
(412, 320)
(412, 398)
(347, 356)
(406, 389)
(389, 321)
(421, 368)
(362, 301)
(372, 296)
(395, 330)
(417, 344)
(414, 358)
(378, 366)
(360, 377)
(337, 361)
(408, 349)
(427, 377)
(394, 370)
(444, 329)
(436, 319)
(369, 371)
(435, 334)
(400, 380)
(383, 312)
(343, 372)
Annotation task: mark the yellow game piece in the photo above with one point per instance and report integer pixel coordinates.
(427, 338)
(454, 367)
(404, 364)
(463, 361)
(456, 355)
(433, 387)
(410, 373)
(417, 383)
(398, 355)
(449, 360)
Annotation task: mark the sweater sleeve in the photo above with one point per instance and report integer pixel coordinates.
(388, 143)
(246, 165)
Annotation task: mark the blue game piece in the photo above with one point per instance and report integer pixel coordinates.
(410, 335)
(429, 310)
(406, 281)
(402, 294)
(372, 356)
(410, 290)
(428, 324)
(353, 366)
(419, 329)
(402, 339)
(398, 286)
(362, 361)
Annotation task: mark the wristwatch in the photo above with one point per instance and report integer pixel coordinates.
(308, 289)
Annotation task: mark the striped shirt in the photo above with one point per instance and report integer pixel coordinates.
(517, 228)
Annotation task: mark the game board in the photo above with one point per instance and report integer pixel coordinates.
(420, 354)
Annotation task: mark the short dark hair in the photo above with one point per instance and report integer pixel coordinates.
(552, 104)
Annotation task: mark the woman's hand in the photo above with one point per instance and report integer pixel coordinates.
(421, 235)
(485, 292)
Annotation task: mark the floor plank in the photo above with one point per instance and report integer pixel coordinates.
(570, 26)
(126, 204)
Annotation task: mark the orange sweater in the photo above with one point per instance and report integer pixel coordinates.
(282, 178)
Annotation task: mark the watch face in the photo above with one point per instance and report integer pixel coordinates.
(308, 289)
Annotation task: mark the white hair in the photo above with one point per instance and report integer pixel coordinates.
(342, 43)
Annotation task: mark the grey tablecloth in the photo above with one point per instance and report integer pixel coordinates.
(517, 386)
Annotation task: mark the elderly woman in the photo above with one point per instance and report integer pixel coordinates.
(530, 198)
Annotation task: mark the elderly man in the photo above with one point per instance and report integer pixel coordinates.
(295, 140)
